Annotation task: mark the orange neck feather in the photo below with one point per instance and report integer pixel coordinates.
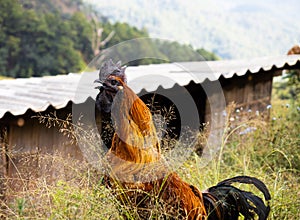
(135, 137)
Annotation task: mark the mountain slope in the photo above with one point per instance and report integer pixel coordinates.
(232, 29)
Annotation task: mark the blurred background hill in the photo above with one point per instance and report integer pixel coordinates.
(229, 28)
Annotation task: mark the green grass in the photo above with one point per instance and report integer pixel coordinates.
(270, 153)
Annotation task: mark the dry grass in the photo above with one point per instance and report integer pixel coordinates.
(74, 190)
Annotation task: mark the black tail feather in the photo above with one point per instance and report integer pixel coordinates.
(259, 206)
(225, 201)
(248, 180)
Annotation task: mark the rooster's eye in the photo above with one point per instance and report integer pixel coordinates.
(113, 82)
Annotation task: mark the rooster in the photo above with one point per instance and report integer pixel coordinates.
(136, 165)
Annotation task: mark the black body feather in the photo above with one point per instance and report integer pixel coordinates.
(225, 201)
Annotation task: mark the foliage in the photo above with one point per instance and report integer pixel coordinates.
(207, 54)
(165, 50)
(181, 52)
(124, 32)
(40, 44)
(293, 77)
(288, 86)
(53, 37)
(66, 7)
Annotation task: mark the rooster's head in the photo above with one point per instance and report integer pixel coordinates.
(112, 79)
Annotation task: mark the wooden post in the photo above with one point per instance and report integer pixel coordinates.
(3, 160)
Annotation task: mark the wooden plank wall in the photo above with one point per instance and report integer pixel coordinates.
(251, 92)
(28, 146)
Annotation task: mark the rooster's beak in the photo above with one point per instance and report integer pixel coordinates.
(98, 81)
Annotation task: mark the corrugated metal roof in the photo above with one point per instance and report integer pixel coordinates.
(37, 94)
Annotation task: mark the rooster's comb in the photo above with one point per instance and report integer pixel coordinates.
(110, 68)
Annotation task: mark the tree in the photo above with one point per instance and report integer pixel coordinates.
(83, 35)
(10, 14)
(34, 44)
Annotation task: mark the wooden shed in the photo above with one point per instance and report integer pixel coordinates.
(23, 138)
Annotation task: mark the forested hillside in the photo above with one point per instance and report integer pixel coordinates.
(59, 36)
